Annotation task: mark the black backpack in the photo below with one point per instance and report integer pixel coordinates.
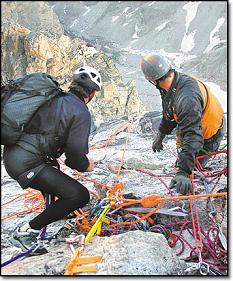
(20, 99)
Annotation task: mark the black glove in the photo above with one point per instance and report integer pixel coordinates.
(157, 144)
(182, 183)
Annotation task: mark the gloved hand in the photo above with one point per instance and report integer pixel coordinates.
(157, 144)
(182, 183)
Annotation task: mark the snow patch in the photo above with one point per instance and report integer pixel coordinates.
(133, 41)
(187, 43)
(115, 18)
(151, 4)
(74, 23)
(176, 58)
(131, 13)
(88, 10)
(125, 10)
(65, 10)
(161, 26)
(191, 8)
(215, 40)
(135, 35)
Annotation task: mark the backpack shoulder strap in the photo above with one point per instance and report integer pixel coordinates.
(207, 95)
(57, 116)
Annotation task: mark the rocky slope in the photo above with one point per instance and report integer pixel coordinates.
(58, 37)
(141, 249)
(37, 49)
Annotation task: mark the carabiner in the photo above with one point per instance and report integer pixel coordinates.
(204, 268)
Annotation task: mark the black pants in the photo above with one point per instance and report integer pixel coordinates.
(30, 170)
(71, 195)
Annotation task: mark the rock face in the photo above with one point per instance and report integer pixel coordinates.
(37, 16)
(192, 34)
(132, 253)
(33, 40)
(144, 24)
(59, 55)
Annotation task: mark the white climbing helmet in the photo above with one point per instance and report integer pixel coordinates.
(88, 77)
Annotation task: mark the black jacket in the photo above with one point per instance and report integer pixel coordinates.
(185, 100)
(74, 130)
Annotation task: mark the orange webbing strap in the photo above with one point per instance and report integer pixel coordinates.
(86, 260)
(72, 267)
(85, 225)
(87, 268)
(72, 263)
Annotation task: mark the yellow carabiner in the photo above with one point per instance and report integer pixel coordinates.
(98, 224)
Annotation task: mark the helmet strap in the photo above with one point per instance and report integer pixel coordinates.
(91, 96)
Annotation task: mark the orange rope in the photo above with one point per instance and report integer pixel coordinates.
(141, 218)
(94, 181)
(187, 197)
(123, 154)
(157, 199)
(33, 201)
(110, 139)
(12, 200)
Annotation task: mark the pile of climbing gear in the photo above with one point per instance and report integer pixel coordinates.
(118, 213)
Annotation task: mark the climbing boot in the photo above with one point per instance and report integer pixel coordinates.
(27, 240)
